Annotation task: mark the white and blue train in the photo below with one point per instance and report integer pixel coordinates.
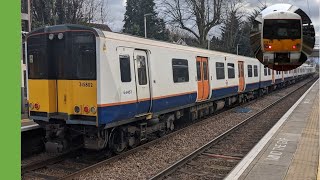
(114, 90)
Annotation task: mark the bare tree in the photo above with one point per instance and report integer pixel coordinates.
(195, 16)
(232, 30)
(50, 12)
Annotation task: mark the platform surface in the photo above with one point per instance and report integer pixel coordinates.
(290, 150)
(28, 124)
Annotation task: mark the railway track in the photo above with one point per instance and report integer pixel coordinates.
(70, 165)
(218, 157)
(85, 165)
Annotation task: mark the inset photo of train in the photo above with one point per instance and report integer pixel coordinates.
(282, 37)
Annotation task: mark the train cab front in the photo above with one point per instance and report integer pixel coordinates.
(282, 39)
(62, 86)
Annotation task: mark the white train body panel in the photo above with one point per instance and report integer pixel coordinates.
(118, 100)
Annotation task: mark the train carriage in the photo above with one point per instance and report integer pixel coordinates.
(113, 90)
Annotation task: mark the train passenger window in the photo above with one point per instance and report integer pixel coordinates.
(198, 71)
(249, 70)
(180, 70)
(220, 70)
(231, 73)
(265, 71)
(142, 70)
(269, 72)
(125, 68)
(205, 71)
(255, 70)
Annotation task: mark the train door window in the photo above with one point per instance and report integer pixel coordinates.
(180, 70)
(142, 70)
(255, 71)
(231, 73)
(86, 66)
(125, 71)
(220, 70)
(265, 71)
(81, 48)
(249, 70)
(37, 65)
(198, 71)
(205, 70)
(269, 72)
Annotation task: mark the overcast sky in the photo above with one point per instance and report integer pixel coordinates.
(116, 9)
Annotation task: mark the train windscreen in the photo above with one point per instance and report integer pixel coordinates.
(65, 55)
(282, 29)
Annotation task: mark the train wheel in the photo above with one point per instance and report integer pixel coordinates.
(118, 142)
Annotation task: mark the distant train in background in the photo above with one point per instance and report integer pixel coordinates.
(282, 37)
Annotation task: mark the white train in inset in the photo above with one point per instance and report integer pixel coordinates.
(115, 89)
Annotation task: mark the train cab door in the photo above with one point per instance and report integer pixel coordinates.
(57, 56)
(241, 76)
(142, 81)
(203, 78)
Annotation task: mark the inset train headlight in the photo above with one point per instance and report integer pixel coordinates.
(31, 106)
(77, 109)
(93, 110)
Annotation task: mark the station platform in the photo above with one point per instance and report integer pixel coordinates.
(28, 124)
(290, 150)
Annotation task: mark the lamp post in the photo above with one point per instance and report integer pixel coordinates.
(238, 49)
(145, 24)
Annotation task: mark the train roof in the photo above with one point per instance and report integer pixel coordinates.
(159, 43)
(64, 27)
(134, 39)
(282, 15)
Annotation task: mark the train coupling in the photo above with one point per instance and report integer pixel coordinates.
(55, 137)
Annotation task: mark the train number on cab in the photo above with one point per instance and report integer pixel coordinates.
(85, 84)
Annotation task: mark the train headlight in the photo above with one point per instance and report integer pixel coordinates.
(51, 36)
(60, 35)
(294, 46)
(77, 109)
(86, 109)
(31, 106)
(37, 106)
(93, 110)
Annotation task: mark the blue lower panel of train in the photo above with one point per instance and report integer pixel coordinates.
(116, 113)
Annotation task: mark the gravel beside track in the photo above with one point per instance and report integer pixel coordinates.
(149, 161)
